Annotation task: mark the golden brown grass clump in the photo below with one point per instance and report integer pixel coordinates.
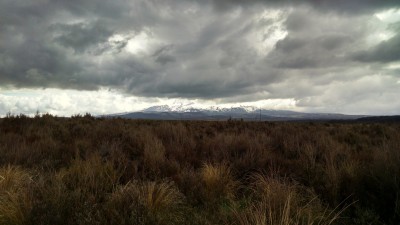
(218, 181)
(15, 197)
(280, 202)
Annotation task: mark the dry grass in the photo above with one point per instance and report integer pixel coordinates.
(146, 202)
(13, 178)
(92, 176)
(218, 181)
(86, 170)
(280, 202)
(154, 155)
(160, 196)
(15, 197)
(263, 213)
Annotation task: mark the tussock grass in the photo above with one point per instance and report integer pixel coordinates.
(86, 170)
(277, 201)
(92, 176)
(219, 182)
(263, 213)
(15, 197)
(146, 202)
(13, 178)
(160, 196)
(154, 155)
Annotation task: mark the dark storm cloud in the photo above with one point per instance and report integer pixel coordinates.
(316, 40)
(37, 65)
(51, 43)
(193, 49)
(163, 55)
(304, 52)
(81, 36)
(386, 51)
(348, 6)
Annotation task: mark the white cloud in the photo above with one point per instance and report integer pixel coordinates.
(374, 94)
(71, 102)
(389, 15)
(67, 102)
(141, 42)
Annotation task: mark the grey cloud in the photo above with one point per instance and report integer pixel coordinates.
(375, 94)
(335, 41)
(81, 36)
(293, 53)
(36, 64)
(346, 6)
(164, 59)
(112, 47)
(299, 21)
(305, 52)
(107, 9)
(163, 55)
(329, 41)
(386, 51)
(298, 62)
(207, 89)
(289, 44)
(192, 51)
(317, 40)
(47, 46)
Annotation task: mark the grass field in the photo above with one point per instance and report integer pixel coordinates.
(86, 170)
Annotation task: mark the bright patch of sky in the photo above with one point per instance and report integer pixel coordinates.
(389, 16)
(141, 42)
(267, 36)
(68, 102)
(72, 102)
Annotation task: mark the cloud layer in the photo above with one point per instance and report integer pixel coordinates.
(316, 52)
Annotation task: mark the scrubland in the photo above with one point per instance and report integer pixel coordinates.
(86, 170)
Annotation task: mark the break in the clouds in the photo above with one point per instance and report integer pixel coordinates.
(333, 56)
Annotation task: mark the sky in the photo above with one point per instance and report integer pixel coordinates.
(76, 56)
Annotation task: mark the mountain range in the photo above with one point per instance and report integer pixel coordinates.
(248, 113)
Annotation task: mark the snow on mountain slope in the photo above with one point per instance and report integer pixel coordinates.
(158, 108)
(189, 111)
(194, 108)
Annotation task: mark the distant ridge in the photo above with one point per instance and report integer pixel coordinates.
(395, 118)
(248, 113)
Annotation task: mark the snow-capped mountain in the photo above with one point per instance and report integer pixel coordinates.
(177, 107)
(158, 108)
(181, 108)
(193, 112)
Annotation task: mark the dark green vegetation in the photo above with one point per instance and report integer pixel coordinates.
(85, 170)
